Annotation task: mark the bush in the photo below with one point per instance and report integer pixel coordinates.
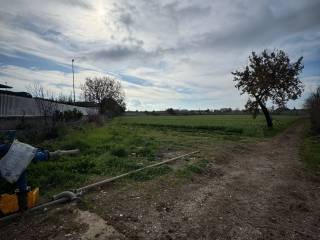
(68, 115)
(57, 116)
(95, 118)
(170, 111)
(313, 105)
(311, 151)
(72, 115)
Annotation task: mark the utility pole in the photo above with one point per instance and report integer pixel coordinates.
(74, 95)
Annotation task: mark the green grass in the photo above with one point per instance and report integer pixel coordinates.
(311, 151)
(243, 125)
(129, 143)
(106, 151)
(190, 169)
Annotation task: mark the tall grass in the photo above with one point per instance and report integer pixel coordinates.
(311, 150)
(106, 151)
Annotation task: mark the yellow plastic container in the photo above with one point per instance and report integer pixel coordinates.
(33, 197)
(9, 202)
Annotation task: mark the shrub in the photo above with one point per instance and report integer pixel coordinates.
(311, 151)
(57, 116)
(72, 115)
(313, 105)
(170, 111)
(95, 118)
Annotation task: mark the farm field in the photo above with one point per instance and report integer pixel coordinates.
(129, 143)
(243, 125)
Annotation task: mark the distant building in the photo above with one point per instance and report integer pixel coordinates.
(4, 86)
(19, 94)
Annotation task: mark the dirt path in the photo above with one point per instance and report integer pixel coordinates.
(257, 191)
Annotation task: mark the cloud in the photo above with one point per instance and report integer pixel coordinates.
(55, 81)
(257, 26)
(30, 61)
(166, 53)
(136, 80)
(77, 3)
(117, 53)
(126, 19)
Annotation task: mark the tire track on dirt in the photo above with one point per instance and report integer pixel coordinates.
(264, 193)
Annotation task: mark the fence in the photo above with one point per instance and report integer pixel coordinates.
(14, 106)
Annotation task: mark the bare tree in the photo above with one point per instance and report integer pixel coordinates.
(97, 90)
(62, 98)
(45, 100)
(269, 76)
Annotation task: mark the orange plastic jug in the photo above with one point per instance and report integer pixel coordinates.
(9, 202)
(33, 197)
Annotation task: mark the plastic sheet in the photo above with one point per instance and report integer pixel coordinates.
(16, 161)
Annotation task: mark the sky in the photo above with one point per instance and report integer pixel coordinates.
(166, 53)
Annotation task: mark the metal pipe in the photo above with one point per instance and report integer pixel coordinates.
(66, 194)
(131, 172)
(74, 95)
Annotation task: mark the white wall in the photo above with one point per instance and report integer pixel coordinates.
(14, 106)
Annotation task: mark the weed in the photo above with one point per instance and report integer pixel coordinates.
(151, 173)
(197, 168)
(311, 151)
(119, 151)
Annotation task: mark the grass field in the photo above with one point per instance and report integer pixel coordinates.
(128, 143)
(225, 124)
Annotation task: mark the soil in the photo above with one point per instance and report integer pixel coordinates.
(247, 191)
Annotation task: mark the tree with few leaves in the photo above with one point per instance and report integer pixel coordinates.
(97, 90)
(269, 77)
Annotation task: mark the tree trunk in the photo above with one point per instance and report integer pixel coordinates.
(266, 114)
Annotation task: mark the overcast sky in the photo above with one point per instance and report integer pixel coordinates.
(166, 53)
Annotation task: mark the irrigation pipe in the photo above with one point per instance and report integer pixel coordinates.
(80, 190)
(69, 196)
